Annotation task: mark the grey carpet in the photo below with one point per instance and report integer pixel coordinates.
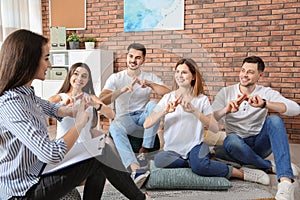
(241, 190)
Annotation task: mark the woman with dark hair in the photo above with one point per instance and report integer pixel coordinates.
(187, 111)
(79, 81)
(24, 141)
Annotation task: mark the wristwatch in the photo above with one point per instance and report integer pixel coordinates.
(99, 108)
(264, 104)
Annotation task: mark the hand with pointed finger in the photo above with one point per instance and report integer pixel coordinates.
(242, 98)
(233, 106)
(102, 108)
(186, 104)
(93, 100)
(144, 83)
(171, 106)
(256, 101)
(69, 107)
(129, 87)
(82, 117)
(71, 100)
(188, 107)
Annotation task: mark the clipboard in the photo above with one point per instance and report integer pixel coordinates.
(79, 152)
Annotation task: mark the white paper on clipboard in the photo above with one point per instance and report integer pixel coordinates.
(79, 152)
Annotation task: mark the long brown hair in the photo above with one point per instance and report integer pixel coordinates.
(88, 88)
(197, 83)
(19, 58)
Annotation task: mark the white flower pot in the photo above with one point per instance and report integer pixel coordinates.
(89, 45)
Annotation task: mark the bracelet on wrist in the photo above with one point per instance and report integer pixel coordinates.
(99, 108)
(264, 104)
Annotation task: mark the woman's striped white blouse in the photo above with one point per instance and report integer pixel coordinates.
(24, 143)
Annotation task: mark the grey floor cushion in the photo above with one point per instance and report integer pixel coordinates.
(183, 178)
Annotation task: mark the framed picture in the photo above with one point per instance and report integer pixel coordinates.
(153, 15)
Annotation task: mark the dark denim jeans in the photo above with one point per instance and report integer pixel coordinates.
(254, 149)
(198, 160)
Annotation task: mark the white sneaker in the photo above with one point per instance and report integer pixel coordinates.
(256, 175)
(139, 177)
(295, 168)
(286, 190)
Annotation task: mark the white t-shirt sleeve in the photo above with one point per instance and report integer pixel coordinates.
(207, 108)
(110, 83)
(156, 79)
(150, 77)
(292, 108)
(219, 102)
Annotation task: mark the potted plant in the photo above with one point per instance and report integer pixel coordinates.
(90, 43)
(74, 40)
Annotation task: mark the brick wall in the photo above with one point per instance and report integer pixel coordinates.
(218, 34)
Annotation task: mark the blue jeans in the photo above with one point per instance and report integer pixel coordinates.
(198, 160)
(254, 149)
(126, 125)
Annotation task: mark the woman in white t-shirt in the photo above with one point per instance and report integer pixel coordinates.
(79, 82)
(187, 111)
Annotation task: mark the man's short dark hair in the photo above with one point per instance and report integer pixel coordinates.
(137, 46)
(255, 59)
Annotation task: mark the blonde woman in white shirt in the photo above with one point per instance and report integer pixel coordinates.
(186, 112)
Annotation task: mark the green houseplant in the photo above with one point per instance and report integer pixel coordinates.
(90, 39)
(74, 40)
(89, 43)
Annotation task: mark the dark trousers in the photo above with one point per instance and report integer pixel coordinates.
(94, 172)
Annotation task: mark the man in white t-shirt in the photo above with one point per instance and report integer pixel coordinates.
(252, 135)
(130, 90)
